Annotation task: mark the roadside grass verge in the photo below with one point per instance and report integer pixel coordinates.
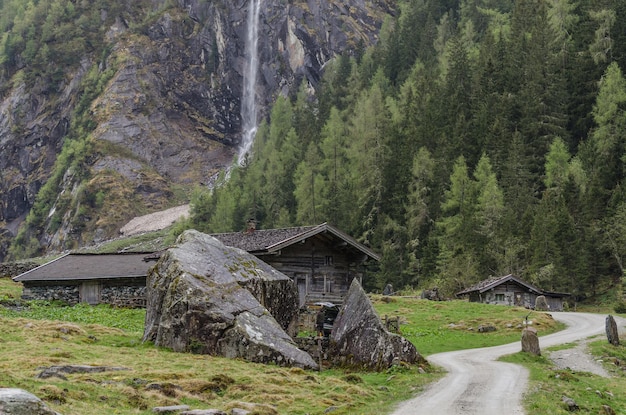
(548, 384)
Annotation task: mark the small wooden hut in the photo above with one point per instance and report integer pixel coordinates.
(511, 290)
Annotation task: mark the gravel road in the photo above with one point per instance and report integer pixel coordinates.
(477, 384)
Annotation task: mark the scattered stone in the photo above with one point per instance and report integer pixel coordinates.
(167, 389)
(15, 401)
(611, 330)
(359, 337)
(486, 329)
(203, 412)
(331, 409)
(57, 371)
(570, 403)
(432, 294)
(239, 411)
(541, 304)
(388, 290)
(530, 341)
(170, 409)
(607, 410)
(204, 297)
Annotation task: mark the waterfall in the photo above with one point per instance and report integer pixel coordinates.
(248, 100)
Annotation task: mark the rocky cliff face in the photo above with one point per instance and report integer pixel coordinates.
(168, 116)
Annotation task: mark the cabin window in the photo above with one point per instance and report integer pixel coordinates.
(500, 297)
(328, 260)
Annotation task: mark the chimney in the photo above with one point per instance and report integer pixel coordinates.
(250, 226)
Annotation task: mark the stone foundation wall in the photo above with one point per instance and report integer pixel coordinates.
(119, 294)
(124, 296)
(68, 293)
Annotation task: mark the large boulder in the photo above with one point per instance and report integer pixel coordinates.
(205, 297)
(360, 339)
(15, 401)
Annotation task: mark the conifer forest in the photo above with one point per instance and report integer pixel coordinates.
(478, 138)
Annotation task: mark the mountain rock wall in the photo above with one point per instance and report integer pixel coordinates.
(168, 113)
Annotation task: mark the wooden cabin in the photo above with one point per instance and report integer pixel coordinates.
(511, 290)
(321, 259)
(117, 279)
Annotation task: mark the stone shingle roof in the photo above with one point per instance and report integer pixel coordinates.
(259, 240)
(75, 266)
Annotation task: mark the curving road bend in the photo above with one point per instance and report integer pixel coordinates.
(478, 384)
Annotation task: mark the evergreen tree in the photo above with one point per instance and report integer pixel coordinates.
(456, 228)
(368, 153)
(418, 218)
(309, 186)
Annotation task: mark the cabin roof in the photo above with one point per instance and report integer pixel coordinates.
(273, 240)
(492, 282)
(80, 266)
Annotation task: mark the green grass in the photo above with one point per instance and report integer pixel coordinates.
(548, 384)
(435, 327)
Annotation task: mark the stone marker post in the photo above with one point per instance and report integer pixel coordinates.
(611, 330)
(530, 341)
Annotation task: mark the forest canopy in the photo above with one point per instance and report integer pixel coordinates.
(478, 138)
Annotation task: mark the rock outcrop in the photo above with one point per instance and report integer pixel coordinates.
(205, 297)
(360, 339)
(19, 402)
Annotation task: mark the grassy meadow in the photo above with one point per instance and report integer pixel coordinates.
(37, 335)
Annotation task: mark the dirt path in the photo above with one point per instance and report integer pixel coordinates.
(478, 384)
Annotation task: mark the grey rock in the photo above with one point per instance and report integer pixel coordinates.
(570, 404)
(611, 330)
(71, 369)
(201, 299)
(203, 412)
(174, 409)
(541, 304)
(239, 411)
(530, 341)
(431, 294)
(486, 328)
(15, 401)
(607, 410)
(359, 338)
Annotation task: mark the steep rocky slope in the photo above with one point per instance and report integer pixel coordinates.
(166, 115)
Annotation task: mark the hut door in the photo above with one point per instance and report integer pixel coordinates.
(301, 281)
(90, 293)
(518, 299)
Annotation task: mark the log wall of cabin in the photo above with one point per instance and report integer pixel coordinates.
(321, 272)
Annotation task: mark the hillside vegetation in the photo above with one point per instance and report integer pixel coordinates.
(477, 138)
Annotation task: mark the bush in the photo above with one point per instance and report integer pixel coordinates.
(620, 307)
